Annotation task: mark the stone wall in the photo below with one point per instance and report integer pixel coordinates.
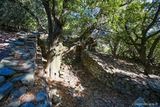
(120, 80)
(20, 86)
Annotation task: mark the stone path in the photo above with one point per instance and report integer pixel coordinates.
(19, 87)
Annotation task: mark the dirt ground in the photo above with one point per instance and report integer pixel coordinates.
(78, 88)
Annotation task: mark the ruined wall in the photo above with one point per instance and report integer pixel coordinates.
(120, 80)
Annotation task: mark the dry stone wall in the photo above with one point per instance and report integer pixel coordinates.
(120, 80)
(19, 64)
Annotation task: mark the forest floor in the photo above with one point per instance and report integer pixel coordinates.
(78, 88)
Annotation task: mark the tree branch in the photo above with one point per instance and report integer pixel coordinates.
(153, 3)
(133, 42)
(50, 22)
(153, 34)
(153, 21)
(87, 31)
(153, 47)
(27, 10)
(126, 3)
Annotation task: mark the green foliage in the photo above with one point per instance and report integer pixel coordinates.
(14, 14)
(124, 21)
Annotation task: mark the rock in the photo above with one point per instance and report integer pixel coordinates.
(5, 89)
(101, 103)
(2, 79)
(80, 101)
(28, 79)
(5, 71)
(12, 39)
(15, 103)
(29, 104)
(28, 97)
(19, 43)
(23, 89)
(19, 52)
(21, 39)
(139, 102)
(15, 94)
(16, 79)
(22, 33)
(44, 104)
(154, 85)
(24, 66)
(30, 70)
(53, 92)
(41, 96)
(35, 33)
(26, 56)
(27, 70)
(56, 100)
(9, 62)
(4, 53)
(1, 65)
(28, 65)
(32, 51)
(22, 54)
(18, 92)
(7, 41)
(30, 43)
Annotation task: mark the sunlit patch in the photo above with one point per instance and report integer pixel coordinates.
(28, 97)
(79, 91)
(68, 78)
(2, 45)
(149, 1)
